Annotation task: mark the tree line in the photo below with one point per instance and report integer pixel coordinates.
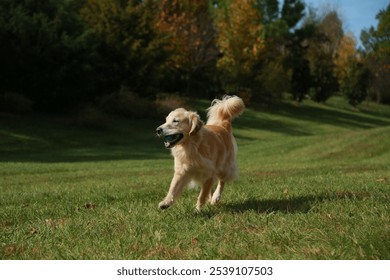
(58, 55)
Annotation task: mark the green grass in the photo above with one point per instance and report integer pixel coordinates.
(314, 184)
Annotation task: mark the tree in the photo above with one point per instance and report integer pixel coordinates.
(292, 12)
(240, 36)
(130, 52)
(269, 10)
(352, 75)
(45, 53)
(297, 59)
(284, 49)
(376, 44)
(301, 78)
(321, 52)
(345, 55)
(191, 39)
(355, 85)
(240, 40)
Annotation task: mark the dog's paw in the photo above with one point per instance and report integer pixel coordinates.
(163, 205)
(215, 200)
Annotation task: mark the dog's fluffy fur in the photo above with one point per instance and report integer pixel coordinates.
(202, 153)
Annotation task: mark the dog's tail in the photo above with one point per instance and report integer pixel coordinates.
(223, 111)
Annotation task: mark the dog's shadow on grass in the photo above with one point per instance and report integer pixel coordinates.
(300, 204)
(285, 205)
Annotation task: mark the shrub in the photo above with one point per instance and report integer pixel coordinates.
(166, 103)
(126, 103)
(11, 102)
(355, 86)
(272, 81)
(92, 116)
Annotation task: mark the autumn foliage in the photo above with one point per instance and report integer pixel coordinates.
(61, 55)
(190, 37)
(240, 37)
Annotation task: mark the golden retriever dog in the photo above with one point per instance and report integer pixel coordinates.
(203, 153)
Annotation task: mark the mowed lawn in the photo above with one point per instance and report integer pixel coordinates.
(314, 184)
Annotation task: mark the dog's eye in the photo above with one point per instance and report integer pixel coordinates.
(175, 120)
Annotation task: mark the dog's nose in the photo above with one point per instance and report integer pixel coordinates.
(159, 131)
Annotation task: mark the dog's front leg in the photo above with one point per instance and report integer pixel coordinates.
(178, 182)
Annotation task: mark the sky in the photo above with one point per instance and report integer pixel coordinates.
(356, 14)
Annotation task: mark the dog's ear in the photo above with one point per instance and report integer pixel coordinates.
(195, 123)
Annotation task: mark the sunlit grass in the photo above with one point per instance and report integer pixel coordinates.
(314, 184)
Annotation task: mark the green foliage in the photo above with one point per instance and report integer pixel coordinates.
(298, 62)
(45, 53)
(355, 86)
(292, 12)
(326, 33)
(269, 10)
(274, 81)
(325, 83)
(129, 50)
(377, 55)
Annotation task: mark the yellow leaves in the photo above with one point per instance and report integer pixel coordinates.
(240, 36)
(33, 231)
(381, 180)
(189, 30)
(346, 53)
(55, 223)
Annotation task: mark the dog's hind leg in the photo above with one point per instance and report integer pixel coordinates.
(175, 189)
(218, 192)
(204, 193)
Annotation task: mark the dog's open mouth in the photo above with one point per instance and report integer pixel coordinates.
(172, 140)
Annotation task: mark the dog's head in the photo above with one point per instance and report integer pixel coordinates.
(180, 124)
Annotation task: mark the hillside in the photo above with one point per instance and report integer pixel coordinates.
(314, 184)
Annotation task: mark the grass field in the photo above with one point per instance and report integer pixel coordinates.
(314, 184)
